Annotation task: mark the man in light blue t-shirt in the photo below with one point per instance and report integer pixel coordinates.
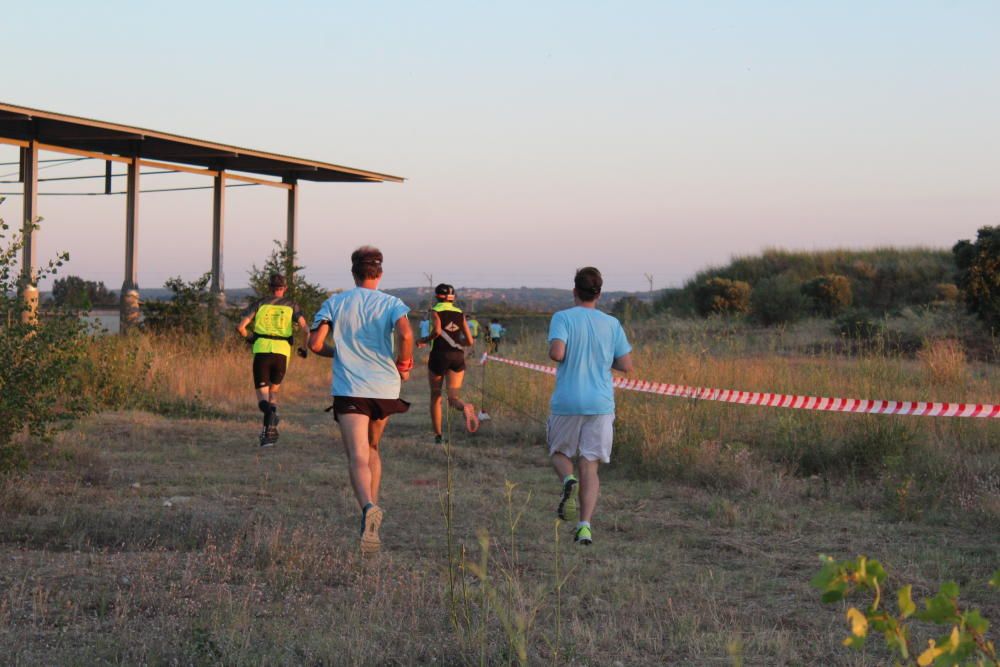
(366, 378)
(588, 344)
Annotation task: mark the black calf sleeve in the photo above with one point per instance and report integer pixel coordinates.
(263, 406)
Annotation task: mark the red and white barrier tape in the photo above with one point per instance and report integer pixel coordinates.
(856, 405)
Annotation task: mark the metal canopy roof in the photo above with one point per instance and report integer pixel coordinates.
(85, 134)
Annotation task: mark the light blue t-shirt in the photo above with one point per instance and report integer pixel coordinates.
(362, 321)
(496, 330)
(583, 381)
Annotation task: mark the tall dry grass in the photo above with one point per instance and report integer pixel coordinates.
(159, 371)
(936, 460)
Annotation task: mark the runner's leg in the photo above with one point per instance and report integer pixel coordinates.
(590, 487)
(375, 429)
(563, 465)
(435, 382)
(354, 433)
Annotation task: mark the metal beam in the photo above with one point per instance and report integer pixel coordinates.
(29, 258)
(291, 236)
(218, 227)
(130, 287)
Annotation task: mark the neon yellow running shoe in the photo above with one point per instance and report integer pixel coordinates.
(568, 506)
(584, 536)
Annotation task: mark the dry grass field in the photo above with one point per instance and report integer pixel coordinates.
(139, 538)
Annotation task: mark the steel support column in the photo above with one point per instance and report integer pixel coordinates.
(291, 237)
(218, 224)
(29, 258)
(130, 287)
(218, 228)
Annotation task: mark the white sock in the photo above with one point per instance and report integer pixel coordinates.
(582, 524)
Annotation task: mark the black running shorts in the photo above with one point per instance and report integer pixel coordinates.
(373, 408)
(440, 363)
(268, 368)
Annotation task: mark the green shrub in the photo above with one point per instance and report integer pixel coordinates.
(630, 308)
(829, 295)
(965, 641)
(42, 360)
(720, 296)
(979, 274)
(188, 310)
(777, 300)
(309, 296)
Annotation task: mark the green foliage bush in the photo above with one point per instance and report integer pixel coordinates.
(965, 643)
(40, 373)
(979, 274)
(883, 280)
(78, 294)
(188, 311)
(829, 295)
(777, 300)
(309, 296)
(720, 296)
(629, 308)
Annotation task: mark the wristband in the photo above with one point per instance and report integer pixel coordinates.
(404, 366)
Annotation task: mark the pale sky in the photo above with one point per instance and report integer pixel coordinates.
(536, 137)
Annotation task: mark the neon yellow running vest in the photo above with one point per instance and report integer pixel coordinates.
(273, 326)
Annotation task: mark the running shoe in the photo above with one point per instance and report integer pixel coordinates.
(471, 418)
(568, 502)
(584, 536)
(438, 439)
(371, 519)
(268, 436)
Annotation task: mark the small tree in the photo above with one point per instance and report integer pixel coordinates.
(830, 294)
(76, 293)
(629, 308)
(777, 301)
(40, 375)
(187, 311)
(722, 296)
(979, 274)
(309, 296)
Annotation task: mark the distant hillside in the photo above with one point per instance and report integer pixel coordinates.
(882, 279)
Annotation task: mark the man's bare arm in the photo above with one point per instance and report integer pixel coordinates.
(557, 350)
(623, 363)
(317, 340)
(404, 356)
(241, 328)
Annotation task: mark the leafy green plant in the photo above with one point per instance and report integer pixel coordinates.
(830, 294)
(721, 296)
(40, 375)
(979, 274)
(777, 300)
(187, 311)
(309, 296)
(965, 641)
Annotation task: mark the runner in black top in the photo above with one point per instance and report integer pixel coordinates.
(450, 334)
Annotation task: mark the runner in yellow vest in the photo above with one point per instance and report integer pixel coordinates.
(450, 335)
(272, 318)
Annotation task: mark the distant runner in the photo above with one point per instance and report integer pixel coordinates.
(587, 344)
(474, 330)
(451, 335)
(496, 333)
(366, 378)
(272, 348)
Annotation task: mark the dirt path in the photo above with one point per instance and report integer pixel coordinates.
(180, 542)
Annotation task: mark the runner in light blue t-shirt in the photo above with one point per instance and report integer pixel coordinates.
(366, 378)
(588, 344)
